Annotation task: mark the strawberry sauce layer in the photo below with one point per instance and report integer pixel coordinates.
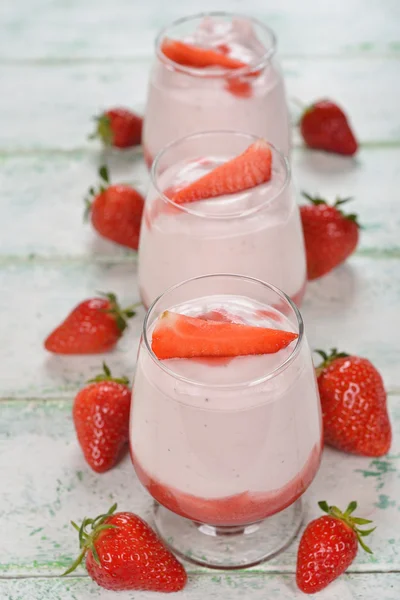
(240, 509)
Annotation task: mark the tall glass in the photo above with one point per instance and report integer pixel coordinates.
(256, 233)
(226, 450)
(184, 100)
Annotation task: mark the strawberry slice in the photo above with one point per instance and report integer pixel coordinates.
(243, 172)
(189, 55)
(179, 336)
(239, 87)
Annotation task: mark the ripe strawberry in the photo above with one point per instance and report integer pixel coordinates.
(324, 126)
(179, 336)
(93, 326)
(123, 553)
(330, 235)
(189, 55)
(243, 172)
(353, 401)
(101, 419)
(328, 546)
(116, 211)
(119, 127)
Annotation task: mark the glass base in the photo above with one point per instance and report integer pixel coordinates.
(228, 547)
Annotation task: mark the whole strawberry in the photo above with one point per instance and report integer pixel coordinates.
(115, 211)
(123, 553)
(353, 401)
(94, 326)
(119, 127)
(330, 235)
(101, 419)
(324, 126)
(328, 546)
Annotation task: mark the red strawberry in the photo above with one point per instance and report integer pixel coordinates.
(328, 546)
(101, 419)
(116, 211)
(243, 172)
(119, 127)
(353, 401)
(179, 336)
(93, 326)
(324, 126)
(189, 55)
(123, 553)
(330, 235)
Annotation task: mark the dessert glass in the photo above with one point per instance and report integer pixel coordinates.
(227, 447)
(184, 100)
(257, 232)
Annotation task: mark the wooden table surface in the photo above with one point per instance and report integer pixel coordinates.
(60, 63)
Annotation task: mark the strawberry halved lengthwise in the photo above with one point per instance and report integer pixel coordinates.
(179, 336)
(189, 55)
(251, 168)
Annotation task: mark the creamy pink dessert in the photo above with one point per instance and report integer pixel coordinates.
(184, 98)
(226, 441)
(256, 232)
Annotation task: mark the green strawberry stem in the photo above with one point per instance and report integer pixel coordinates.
(328, 359)
(87, 538)
(317, 200)
(351, 521)
(103, 130)
(121, 315)
(106, 376)
(93, 192)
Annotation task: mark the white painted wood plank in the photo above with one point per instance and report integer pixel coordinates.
(64, 97)
(120, 28)
(355, 308)
(51, 189)
(207, 586)
(52, 485)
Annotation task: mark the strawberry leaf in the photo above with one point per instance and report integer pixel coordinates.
(107, 376)
(359, 521)
(316, 200)
(324, 506)
(351, 508)
(103, 174)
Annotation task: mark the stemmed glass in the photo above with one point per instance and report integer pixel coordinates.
(226, 450)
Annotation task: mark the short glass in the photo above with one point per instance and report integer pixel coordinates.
(226, 455)
(184, 100)
(256, 233)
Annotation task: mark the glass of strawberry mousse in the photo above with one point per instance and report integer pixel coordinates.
(215, 71)
(254, 231)
(225, 429)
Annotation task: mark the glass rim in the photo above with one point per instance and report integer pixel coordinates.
(227, 386)
(195, 72)
(186, 208)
